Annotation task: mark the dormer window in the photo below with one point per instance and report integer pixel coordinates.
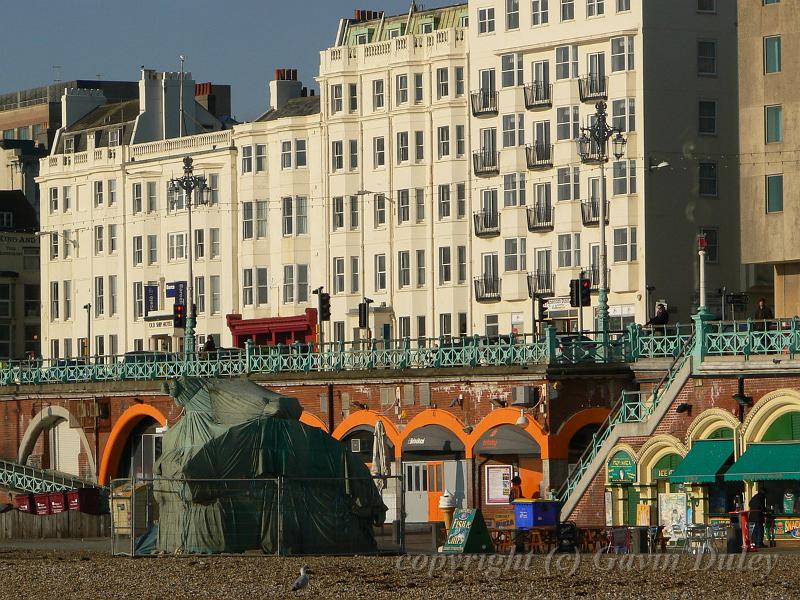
(69, 145)
(394, 33)
(114, 137)
(426, 27)
(362, 38)
(463, 21)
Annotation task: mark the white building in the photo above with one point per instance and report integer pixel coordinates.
(436, 174)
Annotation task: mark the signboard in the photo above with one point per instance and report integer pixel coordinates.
(468, 533)
(621, 468)
(517, 323)
(150, 299)
(498, 483)
(672, 511)
(558, 303)
(609, 505)
(643, 515)
(622, 310)
(177, 290)
(741, 299)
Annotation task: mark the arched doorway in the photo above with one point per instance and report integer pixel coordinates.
(433, 460)
(133, 433)
(579, 441)
(502, 453)
(361, 440)
(52, 442)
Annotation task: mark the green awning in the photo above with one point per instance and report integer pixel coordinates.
(704, 462)
(778, 460)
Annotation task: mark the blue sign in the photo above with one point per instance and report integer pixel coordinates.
(177, 290)
(150, 299)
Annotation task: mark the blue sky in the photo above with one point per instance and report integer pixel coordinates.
(239, 42)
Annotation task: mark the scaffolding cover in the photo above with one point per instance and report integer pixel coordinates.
(239, 471)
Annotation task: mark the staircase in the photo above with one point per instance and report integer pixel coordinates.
(632, 416)
(22, 478)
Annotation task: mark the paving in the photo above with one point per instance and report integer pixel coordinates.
(75, 569)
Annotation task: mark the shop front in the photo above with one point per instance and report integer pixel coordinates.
(622, 495)
(500, 454)
(432, 461)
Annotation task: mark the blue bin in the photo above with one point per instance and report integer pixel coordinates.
(523, 514)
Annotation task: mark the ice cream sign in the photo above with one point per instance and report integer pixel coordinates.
(621, 468)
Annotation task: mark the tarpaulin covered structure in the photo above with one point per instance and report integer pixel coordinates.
(239, 471)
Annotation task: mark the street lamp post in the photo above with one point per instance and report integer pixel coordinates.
(189, 183)
(593, 149)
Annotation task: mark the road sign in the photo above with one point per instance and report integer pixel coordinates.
(737, 298)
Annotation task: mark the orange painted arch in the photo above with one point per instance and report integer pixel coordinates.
(313, 420)
(369, 418)
(590, 416)
(443, 418)
(508, 416)
(119, 437)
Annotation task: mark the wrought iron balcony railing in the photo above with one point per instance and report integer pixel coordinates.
(542, 283)
(539, 155)
(538, 95)
(487, 223)
(540, 217)
(592, 273)
(487, 289)
(593, 88)
(590, 212)
(486, 162)
(484, 103)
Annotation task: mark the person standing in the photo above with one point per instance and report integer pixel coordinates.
(516, 489)
(763, 311)
(757, 506)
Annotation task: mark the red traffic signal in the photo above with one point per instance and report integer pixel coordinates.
(179, 315)
(586, 292)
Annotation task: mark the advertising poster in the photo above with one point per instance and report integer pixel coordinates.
(498, 483)
(609, 508)
(672, 513)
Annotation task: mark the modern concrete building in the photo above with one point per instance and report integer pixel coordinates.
(768, 107)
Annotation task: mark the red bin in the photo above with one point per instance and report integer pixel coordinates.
(86, 500)
(58, 502)
(42, 504)
(24, 502)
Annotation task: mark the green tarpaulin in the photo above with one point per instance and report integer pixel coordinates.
(704, 462)
(778, 460)
(239, 471)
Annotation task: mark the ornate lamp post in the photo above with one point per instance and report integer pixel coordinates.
(189, 183)
(593, 150)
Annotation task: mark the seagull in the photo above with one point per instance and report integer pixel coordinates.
(304, 580)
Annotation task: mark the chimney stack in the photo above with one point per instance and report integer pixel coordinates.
(283, 88)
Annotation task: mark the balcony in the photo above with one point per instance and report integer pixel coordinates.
(538, 95)
(540, 217)
(484, 103)
(487, 289)
(593, 275)
(487, 223)
(542, 283)
(590, 212)
(540, 156)
(486, 162)
(593, 88)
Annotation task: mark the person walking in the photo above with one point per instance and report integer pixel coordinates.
(757, 506)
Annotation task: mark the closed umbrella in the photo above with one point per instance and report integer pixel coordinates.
(380, 465)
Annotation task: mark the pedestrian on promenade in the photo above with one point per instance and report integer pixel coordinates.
(757, 506)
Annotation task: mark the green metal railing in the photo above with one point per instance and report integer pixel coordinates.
(23, 478)
(632, 407)
(733, 338)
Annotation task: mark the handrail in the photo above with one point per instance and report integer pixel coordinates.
(620, 414)
(32, 479)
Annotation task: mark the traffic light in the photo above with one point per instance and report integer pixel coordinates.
(324, 306)
(574, 292)
(363, 315)
(542, 309)
(586, 292)
(179, 315)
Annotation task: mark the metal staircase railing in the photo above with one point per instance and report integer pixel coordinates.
(625, 410)
(23, 478)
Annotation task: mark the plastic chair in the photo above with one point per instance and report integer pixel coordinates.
(697, 540)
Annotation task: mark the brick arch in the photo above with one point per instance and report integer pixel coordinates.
(119, 437)
(442, 418)
(369, 418)
(45, 419)
(508, 416)
(766, 411)
(707, 422)
(589, 416)
(313, 420)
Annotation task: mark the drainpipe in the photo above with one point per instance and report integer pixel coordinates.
(330, 409)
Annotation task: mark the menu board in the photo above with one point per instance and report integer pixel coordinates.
(498, 483)
(468, 533)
